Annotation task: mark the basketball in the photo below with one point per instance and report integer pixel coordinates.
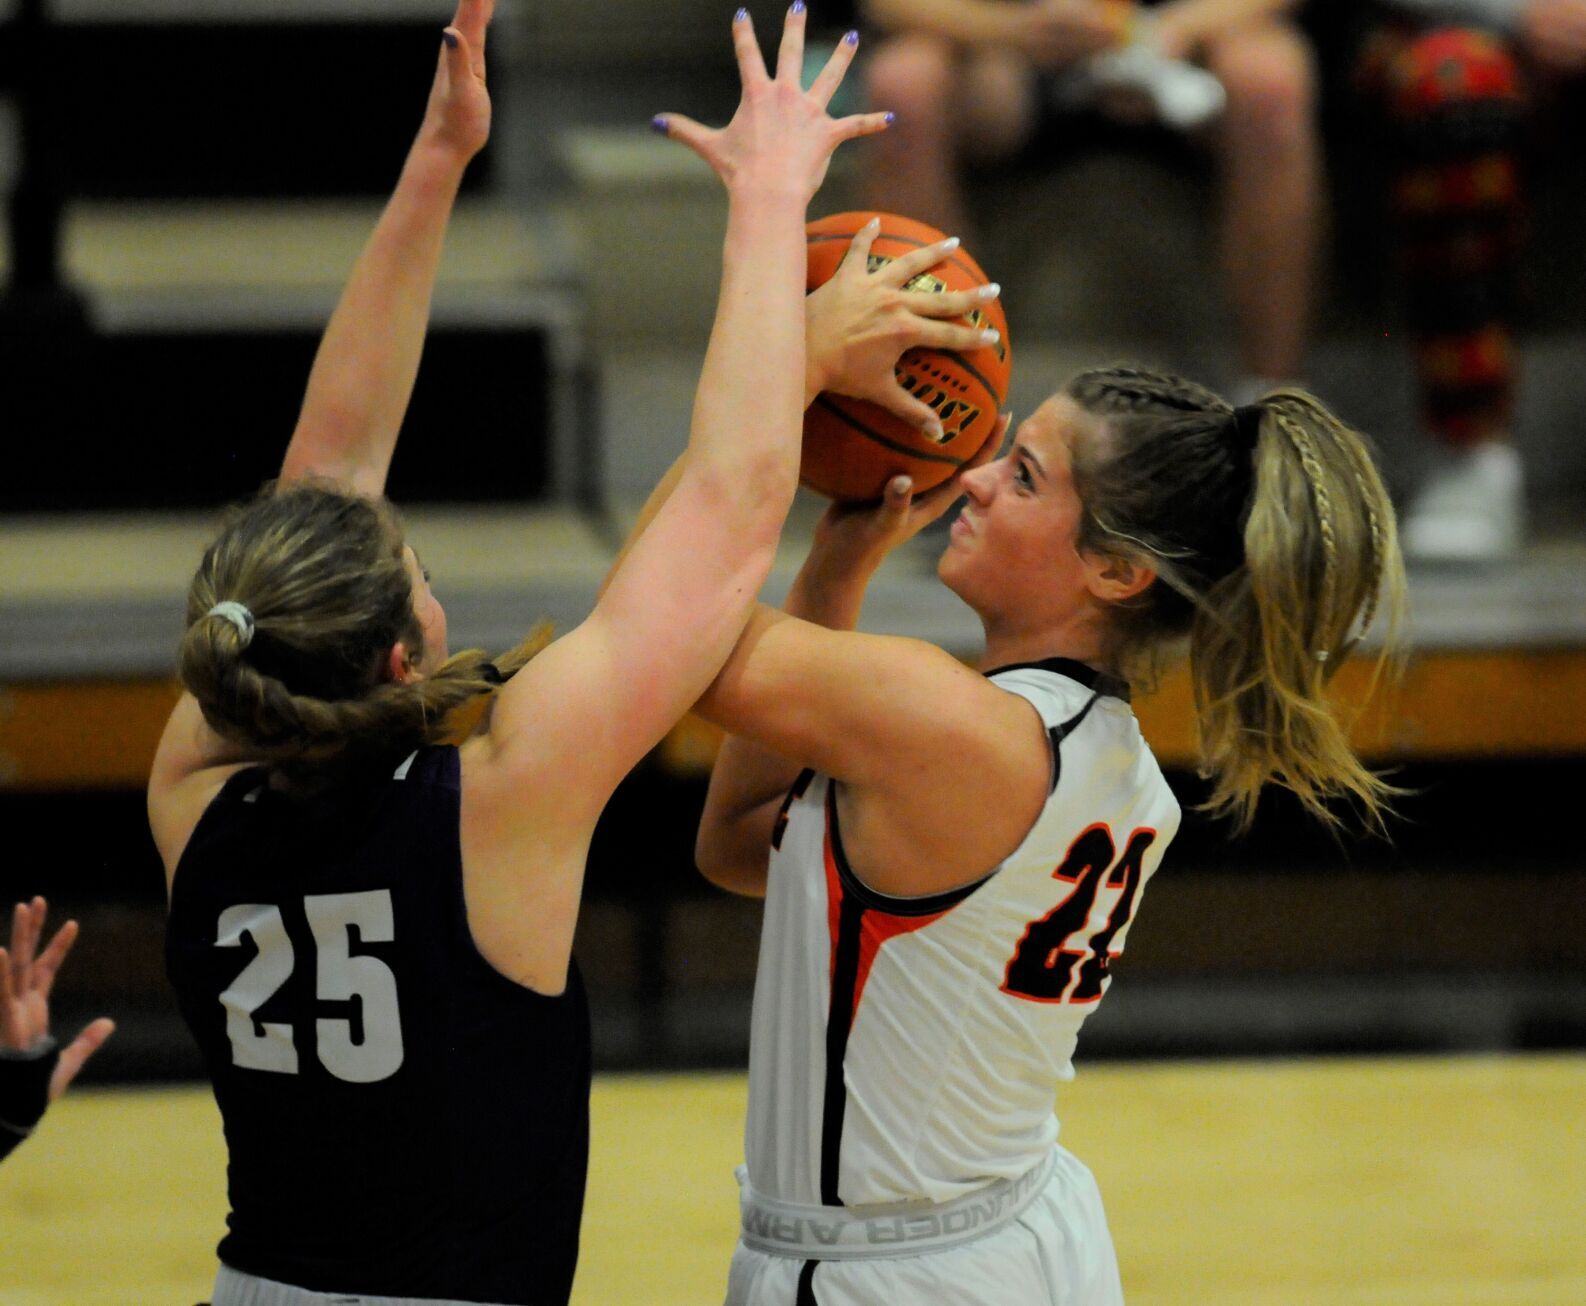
(852, 447)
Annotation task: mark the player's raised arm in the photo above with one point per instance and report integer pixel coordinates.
(573, 722)
(364, 371)
(843, 711)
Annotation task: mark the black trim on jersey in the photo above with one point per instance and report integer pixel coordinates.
(857, 899)
(1058, 733)
(839, 1020)
(795, 791)
(806, 1292)
(874, 899)
(1089, 677)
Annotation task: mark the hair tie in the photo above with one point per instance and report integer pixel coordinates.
(1247, 426)
(238, 616)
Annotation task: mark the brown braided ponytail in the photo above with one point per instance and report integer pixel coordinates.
(321, 573)
(1273, 540)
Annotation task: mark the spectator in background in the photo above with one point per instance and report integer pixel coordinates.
(34, 1070)
(1456, 80)
(973, 80)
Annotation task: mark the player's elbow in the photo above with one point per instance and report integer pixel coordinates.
(750, 498)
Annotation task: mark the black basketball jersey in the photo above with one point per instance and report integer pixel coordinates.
(401, 1119)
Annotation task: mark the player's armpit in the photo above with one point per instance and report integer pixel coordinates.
(733, 848)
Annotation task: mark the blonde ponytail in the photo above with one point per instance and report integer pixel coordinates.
(322, 577)
(1274, 544)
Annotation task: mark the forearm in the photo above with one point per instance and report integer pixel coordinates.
(829, 590)
(24, 1090)
(748, 408)
(664, 487)
(968, 22)
(363, 373)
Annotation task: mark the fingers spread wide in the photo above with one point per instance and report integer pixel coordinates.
(751, 63)
(790, 58)
(831, 76)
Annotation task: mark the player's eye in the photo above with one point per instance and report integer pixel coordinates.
(1022, 477)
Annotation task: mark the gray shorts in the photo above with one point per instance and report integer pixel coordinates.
(1057, 1252)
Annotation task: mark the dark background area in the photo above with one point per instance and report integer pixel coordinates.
(1479, 898)
(176, 391)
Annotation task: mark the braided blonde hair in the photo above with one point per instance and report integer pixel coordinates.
(322, 573)
(1272, 560)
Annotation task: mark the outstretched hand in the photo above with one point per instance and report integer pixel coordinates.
(780, 138)
(458, 115)
(859, 536)
(26, 977)
(860, 322)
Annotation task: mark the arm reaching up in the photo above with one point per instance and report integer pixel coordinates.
(362, 376)
(364, 371)
(574, 721)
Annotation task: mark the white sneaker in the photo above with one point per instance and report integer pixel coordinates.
(1470, 509)
(1183, 95)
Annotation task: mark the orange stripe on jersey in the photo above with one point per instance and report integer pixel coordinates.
(875, 928)
(859, 921)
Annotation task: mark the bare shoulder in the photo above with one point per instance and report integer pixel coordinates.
(191, 765)
(524, 845)
(176, 806)
(950, 813)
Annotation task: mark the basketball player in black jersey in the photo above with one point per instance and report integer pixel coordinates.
(370, 931)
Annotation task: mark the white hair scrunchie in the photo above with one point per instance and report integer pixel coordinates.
(238, 616)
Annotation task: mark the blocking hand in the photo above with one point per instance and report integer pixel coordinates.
(458, 115)
(781, 138)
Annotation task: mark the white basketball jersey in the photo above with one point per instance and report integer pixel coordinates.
(910, 1048)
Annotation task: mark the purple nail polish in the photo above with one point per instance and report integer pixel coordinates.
(451, 40)
(851, 39)
(740, 15)
(660, 124)
(797, 7)
(889, 118)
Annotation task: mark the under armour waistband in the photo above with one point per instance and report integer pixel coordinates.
(234, 1288)
(843, 1233)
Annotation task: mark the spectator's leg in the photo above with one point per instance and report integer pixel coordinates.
(1454, 98)
(950, 105)
(1269, 153)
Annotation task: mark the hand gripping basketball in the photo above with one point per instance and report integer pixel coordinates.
(955, 381)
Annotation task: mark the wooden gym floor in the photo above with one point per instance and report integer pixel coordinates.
(1382, 1182)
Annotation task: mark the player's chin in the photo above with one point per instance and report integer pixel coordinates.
(950, 566)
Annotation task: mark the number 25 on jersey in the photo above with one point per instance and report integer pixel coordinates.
(340, 976)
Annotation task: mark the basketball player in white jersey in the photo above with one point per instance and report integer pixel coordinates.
(952, 857)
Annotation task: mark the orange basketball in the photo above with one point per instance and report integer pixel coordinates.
(852, 448)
